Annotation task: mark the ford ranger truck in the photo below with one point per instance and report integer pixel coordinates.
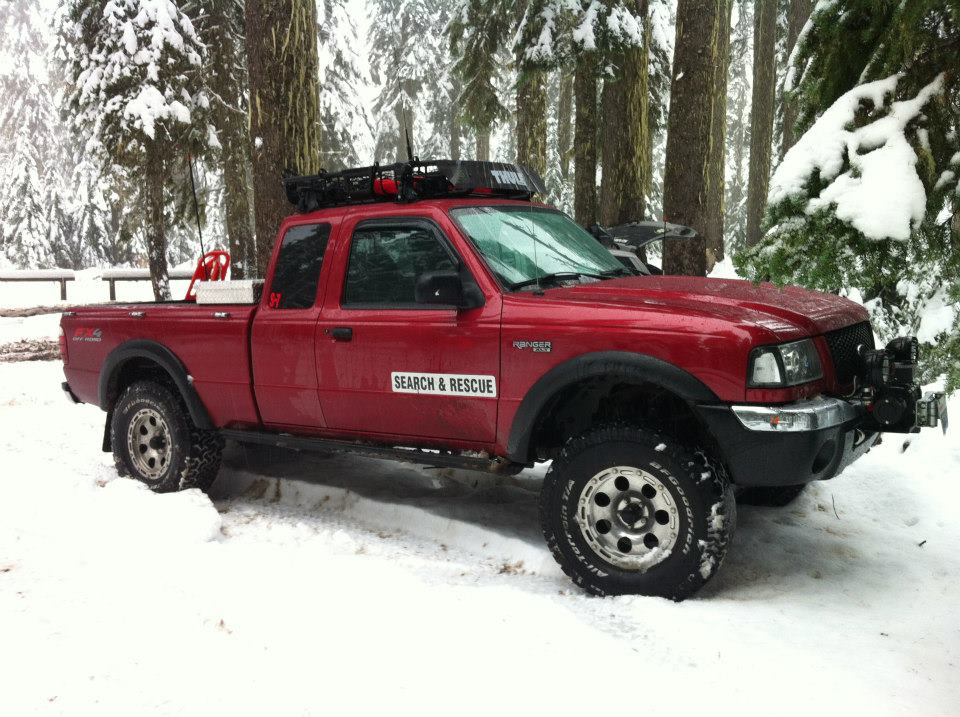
(433, 312)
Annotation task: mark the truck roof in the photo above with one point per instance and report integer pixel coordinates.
(376, 210)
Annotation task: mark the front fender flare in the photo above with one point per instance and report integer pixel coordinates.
(165, 359)
(623, 364)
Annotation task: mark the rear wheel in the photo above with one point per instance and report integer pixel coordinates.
(626, 510)
(155, 440)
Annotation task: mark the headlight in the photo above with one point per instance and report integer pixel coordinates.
(784, 365)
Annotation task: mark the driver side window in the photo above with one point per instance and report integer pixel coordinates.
(385, 262)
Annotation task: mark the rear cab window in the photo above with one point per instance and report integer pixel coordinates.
(297, 271)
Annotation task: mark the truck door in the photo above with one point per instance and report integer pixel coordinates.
(284, 331)
(391, 366)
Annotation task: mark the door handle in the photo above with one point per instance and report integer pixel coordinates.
(221, 314)
(341, 333)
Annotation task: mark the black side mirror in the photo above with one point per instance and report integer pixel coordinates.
(439, 287)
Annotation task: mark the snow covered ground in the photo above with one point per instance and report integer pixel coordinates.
(314, 584)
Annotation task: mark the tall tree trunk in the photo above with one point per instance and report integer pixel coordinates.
(483, 145)
(761, 115)
(713, 228)
(626, 130)
(796, 19)
(156, 173)
(585, 139)
(228, 81)
(281, 42)
(690, 130)
(565, 122)
(532, 121)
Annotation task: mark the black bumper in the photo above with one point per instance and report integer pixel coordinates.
(769, 458)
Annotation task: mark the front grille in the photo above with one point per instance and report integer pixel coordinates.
(843, 345)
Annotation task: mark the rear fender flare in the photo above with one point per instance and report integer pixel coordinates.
(166, 360)
(630, 366)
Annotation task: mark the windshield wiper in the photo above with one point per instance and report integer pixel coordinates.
(619, 271)
(554, 277)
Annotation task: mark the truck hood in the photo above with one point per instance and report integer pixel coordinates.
(783, 310)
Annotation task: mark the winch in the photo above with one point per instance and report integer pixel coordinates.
(889, 390)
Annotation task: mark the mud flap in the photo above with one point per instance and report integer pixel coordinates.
(107, 443)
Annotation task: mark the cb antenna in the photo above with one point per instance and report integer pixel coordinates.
(406, 132)
(196, 207)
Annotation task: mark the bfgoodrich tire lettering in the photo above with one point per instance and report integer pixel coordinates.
(698, 488)
(150, 420)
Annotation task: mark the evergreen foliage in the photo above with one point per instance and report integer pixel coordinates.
(138, 94)
(346, 125)
(739, 91)
(31, 141)
(908, 268)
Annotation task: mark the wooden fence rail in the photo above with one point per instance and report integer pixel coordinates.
(59, 276)
(111, 276)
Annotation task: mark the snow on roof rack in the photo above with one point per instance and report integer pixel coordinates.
(410, 181)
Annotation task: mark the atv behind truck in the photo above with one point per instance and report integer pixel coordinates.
(432, 312)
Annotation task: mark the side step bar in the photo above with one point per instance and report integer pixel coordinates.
(472, 461)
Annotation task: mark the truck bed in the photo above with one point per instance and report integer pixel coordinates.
(212, 342)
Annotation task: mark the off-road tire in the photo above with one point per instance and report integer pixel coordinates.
(777, 496)
(698, 486)
(194, 454)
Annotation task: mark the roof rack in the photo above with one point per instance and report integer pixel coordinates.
(411, 181)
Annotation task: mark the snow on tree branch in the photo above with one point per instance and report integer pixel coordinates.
(869, 172)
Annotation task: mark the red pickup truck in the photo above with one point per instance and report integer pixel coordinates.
(432, 312)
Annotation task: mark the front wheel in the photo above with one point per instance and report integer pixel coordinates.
(625, 510)
(155, 440)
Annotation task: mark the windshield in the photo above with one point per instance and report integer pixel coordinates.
(522, 245)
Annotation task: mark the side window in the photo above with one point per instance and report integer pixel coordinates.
(297, 272)
(385, 263)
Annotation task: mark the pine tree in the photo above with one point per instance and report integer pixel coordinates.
(687, 181)
(868, 197)
(531, 93)
(738, 121)
(761, 115)
(626, 129)
(285, 129)
(346, 124)
(136, 67)
(221, 27)
(556, 33)
(713, 226)
(564, 122)
(478, 33)
(658, 82)
(440, 132)
(796, 19)
(30, 153)
(401, 63)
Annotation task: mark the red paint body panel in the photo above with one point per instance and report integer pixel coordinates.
(214, 351)
(283, 367)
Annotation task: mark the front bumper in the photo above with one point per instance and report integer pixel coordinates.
(789, 445)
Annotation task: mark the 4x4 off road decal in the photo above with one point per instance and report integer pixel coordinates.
(444, 384)
(88, 335)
